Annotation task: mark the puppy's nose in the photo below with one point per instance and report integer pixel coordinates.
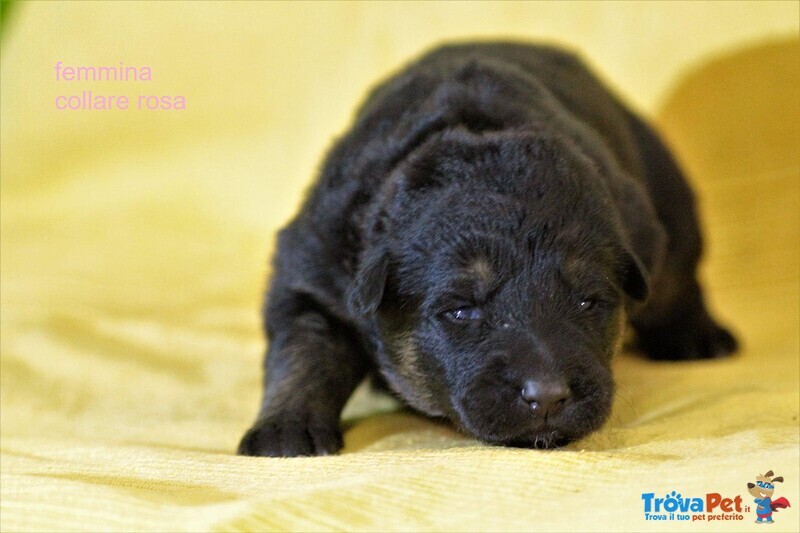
(547, 398)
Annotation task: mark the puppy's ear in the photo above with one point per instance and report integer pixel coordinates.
(366, 292)
(779, 479)
(634, 278)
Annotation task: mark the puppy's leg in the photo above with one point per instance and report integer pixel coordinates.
(680, 327)
(675, 324)
(313, 364)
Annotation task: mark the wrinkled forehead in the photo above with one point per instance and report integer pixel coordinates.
(470, 208)
(499, 229)
(480, 262)
(491, 236)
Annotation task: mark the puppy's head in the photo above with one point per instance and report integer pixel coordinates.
(495, 272)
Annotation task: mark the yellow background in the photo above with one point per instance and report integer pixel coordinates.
(135, 244)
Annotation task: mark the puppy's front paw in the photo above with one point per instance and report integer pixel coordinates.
(688, 339)
(290, 437)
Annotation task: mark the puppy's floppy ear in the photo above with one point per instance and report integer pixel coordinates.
(643, 238)
(366, 292)
(634, 277)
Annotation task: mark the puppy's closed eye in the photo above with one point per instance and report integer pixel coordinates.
(465, 314)
(595, 301)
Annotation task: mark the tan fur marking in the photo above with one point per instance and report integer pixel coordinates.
(408, 380)
(483, 269)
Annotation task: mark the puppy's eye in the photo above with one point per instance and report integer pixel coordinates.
(587, 303)
(465, 313)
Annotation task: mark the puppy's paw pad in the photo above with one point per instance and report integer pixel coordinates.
(289, 439)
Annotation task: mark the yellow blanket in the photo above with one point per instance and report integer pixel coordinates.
(135, 245)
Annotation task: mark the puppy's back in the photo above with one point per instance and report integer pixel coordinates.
(561, 73)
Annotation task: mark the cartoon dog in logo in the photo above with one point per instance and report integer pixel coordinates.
(762, 489)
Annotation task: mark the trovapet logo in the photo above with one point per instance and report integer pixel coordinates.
(709, 507)
(713, 506)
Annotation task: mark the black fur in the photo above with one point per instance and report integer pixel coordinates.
(485, 228)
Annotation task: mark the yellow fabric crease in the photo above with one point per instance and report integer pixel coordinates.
(134, 246)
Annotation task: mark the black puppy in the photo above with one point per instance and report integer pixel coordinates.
(478, 240)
